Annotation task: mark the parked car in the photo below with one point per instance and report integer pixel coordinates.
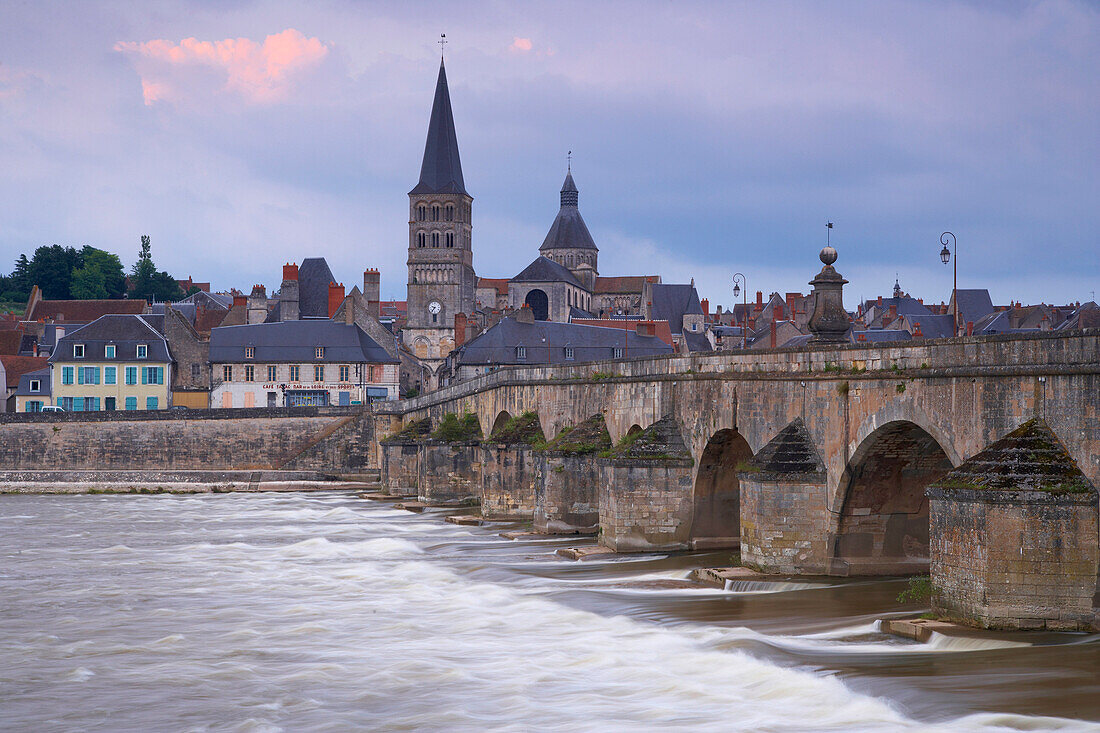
(52, 408)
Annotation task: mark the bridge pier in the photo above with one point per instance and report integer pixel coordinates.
(400, 457)
(450, 472)
(508, 467)
(567, 480)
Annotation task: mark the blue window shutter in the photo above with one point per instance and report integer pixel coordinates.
(78, 404)
(80, 375)
(59, 402)
(160, 375)
(145, 375)
(95, 404)
(96, 374)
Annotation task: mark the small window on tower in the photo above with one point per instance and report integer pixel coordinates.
(421, 239)
(435, 239)
(450, 239)
(450, 213)
(435, 213)
(421, 213)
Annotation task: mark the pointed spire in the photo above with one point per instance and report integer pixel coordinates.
(569, 193)
(441, 171)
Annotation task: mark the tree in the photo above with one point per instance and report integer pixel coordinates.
(100, 276)
(147, 283)
(51, 269)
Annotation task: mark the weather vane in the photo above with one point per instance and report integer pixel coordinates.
(829, 233)
(442, 41)
(569, 162)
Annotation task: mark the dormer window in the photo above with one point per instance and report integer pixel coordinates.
(250, 352)
(36, 385)
(319, 352)
(142, 351)
(78, 351)
(617, 352)
(569, 353)
(109, 351)
(521, 353)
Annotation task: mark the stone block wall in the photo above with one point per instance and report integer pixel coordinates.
(508, 481)
(645, 505)
(400, 467)
(1014, 559)
(450, 473)
(566, 494)
(784, 523)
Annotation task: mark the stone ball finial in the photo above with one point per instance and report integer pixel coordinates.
(828, 255)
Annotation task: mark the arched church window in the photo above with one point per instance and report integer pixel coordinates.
(435, 212)
(435, 239)
(421, 213)
(450, 239)
(449, 213)
(421, 239)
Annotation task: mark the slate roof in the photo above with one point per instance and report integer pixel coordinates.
(624, 284)
(295, 341)
(314, 277)
(660, 328)
(697, 342)
(568, 230)
(545, 343)
(83, 311)
(878, 335)
(973, 305)
(672, 302)
(905, 304)
(1086, 316)
(934, 327)
(210, 300)
(441, 171)
(23, 389)
(545, 270)
(17, 366)
(124, 331)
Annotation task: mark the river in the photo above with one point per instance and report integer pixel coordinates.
(324, 612)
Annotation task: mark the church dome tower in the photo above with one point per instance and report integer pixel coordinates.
(568, 242)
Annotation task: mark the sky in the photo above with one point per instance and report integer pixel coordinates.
(707, 138)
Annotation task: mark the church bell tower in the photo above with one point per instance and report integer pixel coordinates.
(442, 282)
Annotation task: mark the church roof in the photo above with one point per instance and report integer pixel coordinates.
(314, 277)
(545, 270)
(568, 230)
(441, 171)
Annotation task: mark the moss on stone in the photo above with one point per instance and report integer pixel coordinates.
(588, 437)
(455, 429)
(414, 430)
(660, 441)
(523, 429)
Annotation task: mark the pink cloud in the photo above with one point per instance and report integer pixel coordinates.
(520, 44)
(260, 72)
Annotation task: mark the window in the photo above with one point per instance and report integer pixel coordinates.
(345, 373)
(109, 404)
(109, 351)
(295, 373)
(131, 403)
(36, 385)
(450, 239)
(449, 213)
(435, 239)
(435, 212)
(196, 372)
(87, 375)
(66, 403)
(33, 406)
(131, 376)
(78, 351)
(91, 404)
(227, 373)
(150, 403)
(421, 213)
(142, 351)
(152, 375)
(110, 375)
(617, 352)
(271, 373)
(250, 352)
(569, 353)
(249, 372)
(67, 375)
(695, 327)
(319, 352)
(521, 353)
(319, 373)
(421, 239)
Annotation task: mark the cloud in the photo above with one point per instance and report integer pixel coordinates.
(260, 72)
(520, 45)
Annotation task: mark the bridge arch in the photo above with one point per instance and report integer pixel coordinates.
(634, 429)
(882, 523)
(716, 496)
(499, 422)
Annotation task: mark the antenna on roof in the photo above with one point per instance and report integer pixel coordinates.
(442, 41)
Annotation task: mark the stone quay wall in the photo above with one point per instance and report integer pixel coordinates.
(328, 439)
(450, 473)
(645, 504)
(400, 467)
(567, 494)
(508, 475)
(784, 523)
(1014, 559)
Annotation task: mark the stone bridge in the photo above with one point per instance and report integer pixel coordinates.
(879, 422)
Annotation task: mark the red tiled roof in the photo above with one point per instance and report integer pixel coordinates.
(500, 284)
(83, 311)
(624, 284)
(10, 341)
(17, 366)
(660, 328)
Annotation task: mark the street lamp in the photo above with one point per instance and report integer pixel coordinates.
(945, 257)
(737, 290)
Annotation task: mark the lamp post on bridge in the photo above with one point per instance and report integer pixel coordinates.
(745, 307)
(945, 257)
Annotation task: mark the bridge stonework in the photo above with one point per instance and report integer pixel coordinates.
(879, 416)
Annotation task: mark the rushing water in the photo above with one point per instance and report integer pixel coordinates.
(326, 612)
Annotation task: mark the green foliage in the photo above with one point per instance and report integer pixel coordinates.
(52, 268)
(919, 591)
(147, 283)
(99, 276)
(411, 392)
(842, 389)
(900, 388)
(416, 429)
(830, 367)
(600, 376)
(588, 437)
(524, 428)
(453, 429)
(559, 469)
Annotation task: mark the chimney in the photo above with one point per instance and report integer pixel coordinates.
(970, 328)
(335, 297)
(886, 321)
(759, 301)
(460, 329)
(525, 314)
(349, 312)
(773, 335)
(861, 337)
(893, 312)
(752, 324)
(241, 300)
(372, 290)
(880, 301)
(777, 312)
(706, 307)
(257, 304)
(920, 300)
(289, 307)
